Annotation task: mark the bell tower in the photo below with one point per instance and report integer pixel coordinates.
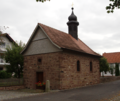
(72, 25)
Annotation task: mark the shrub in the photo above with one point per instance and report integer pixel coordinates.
(4, 74)
(21, 75)
(9, 75)
(16, 75)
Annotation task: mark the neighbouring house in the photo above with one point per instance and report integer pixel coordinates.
(62, 58)
(112, 58)
(5, 40)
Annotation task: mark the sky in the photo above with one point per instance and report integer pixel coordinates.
(97, 29)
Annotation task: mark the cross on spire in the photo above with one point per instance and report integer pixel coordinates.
(72, 5)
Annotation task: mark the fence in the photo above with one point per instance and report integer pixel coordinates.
(109, 79)
(11, 82)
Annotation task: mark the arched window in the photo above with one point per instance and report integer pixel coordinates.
(78, 65)
(90, 66)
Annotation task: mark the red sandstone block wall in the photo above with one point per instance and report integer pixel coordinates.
(49, 66)
(12, 88)
(71, 78)
(61, 69)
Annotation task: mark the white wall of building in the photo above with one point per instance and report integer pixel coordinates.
(112, 65)
(4, 43)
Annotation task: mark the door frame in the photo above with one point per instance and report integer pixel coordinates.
(39, 72)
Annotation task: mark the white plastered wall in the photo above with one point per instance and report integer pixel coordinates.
(40, 44)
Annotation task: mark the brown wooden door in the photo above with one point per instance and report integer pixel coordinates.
(40, 76)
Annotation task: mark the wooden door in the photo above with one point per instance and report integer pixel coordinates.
(40, 76)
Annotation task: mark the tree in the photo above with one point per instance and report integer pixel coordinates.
(112, 70)
(113, 5)
(104, 66)
(116, 69)
(2, 28)
(13, 56)
(42, 0)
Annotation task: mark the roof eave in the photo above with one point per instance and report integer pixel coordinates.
(29, 40)
(32, 36)
(83, 52)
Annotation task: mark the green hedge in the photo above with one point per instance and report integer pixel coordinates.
(116, 69)
(4, 75)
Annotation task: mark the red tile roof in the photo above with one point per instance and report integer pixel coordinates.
(112, 57)
(66, 41)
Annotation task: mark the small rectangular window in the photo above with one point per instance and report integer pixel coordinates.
(78, 65)
(39, 60)
(91, 66)
(2, 44)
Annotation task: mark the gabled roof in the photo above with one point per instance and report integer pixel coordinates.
(8, 37)
(64, 40)
(112, 57)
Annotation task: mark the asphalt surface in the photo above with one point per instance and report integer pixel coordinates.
(90, 93)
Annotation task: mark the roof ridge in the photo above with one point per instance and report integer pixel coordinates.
(53, 28)
(111, 52)
(8, 36)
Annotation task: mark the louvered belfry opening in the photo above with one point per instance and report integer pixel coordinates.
(72, 25)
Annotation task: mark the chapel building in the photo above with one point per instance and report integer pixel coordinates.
(62, 58)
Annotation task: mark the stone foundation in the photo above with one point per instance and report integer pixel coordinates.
(109, 79)
(12, 88)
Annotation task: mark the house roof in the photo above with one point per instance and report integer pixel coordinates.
(7, 36)
(112, 57)
(64, 40)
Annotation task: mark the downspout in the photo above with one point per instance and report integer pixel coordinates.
(59, 71)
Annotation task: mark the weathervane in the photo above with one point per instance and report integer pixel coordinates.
(72, 5)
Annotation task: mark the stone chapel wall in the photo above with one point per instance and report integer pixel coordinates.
(49, 66)
(71, 78)
(61, 69)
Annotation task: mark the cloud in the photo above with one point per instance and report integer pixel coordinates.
(99, 30)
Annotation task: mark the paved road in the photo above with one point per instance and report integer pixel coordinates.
(91, 93)
(14, 94)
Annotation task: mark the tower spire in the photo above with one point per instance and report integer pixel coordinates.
(72, 25)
